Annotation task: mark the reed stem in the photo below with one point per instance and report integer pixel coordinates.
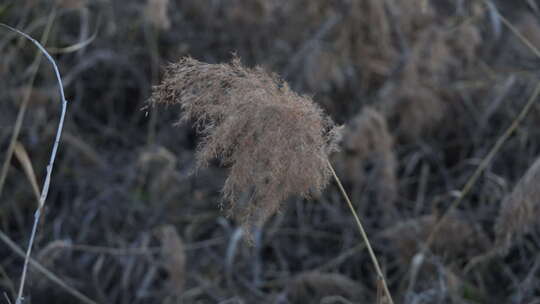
(364, 235)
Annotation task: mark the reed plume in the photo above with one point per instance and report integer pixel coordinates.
(519, 210)
(275, 142)
(365, 135)
(369, 160)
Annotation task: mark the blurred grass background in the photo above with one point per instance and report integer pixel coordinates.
(425, 89)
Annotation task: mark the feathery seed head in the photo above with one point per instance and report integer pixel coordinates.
(274, 141)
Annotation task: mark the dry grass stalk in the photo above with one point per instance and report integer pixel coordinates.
(174, 257)
(519, 210)
(367, 140)
(275, 142)
(24, 159)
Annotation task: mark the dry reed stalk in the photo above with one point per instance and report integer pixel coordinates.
(380, 276)
(519, 210)
(47, 181)
(275, 142)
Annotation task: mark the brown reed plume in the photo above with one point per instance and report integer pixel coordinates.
(367, 140)
(275, 142)
(519, 210)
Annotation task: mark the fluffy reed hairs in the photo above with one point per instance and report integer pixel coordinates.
(519, 210)
(275, 142)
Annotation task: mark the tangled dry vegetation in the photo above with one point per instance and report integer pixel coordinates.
(424, 89)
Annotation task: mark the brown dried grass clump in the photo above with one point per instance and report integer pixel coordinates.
(156, 171)
(275, 142)
(368, 142)
(520, 209)
(174, 258)
(411, 110)
(438, 50)
(457, 238)
(316, 287)
(220, 14)
(156, 14)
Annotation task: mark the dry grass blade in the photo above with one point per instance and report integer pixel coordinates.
(24, 159)
(47, 182)
(275, 142)
(520, 209)
(75, 47)
(173, 253)
(363, 233)
(518, 34)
